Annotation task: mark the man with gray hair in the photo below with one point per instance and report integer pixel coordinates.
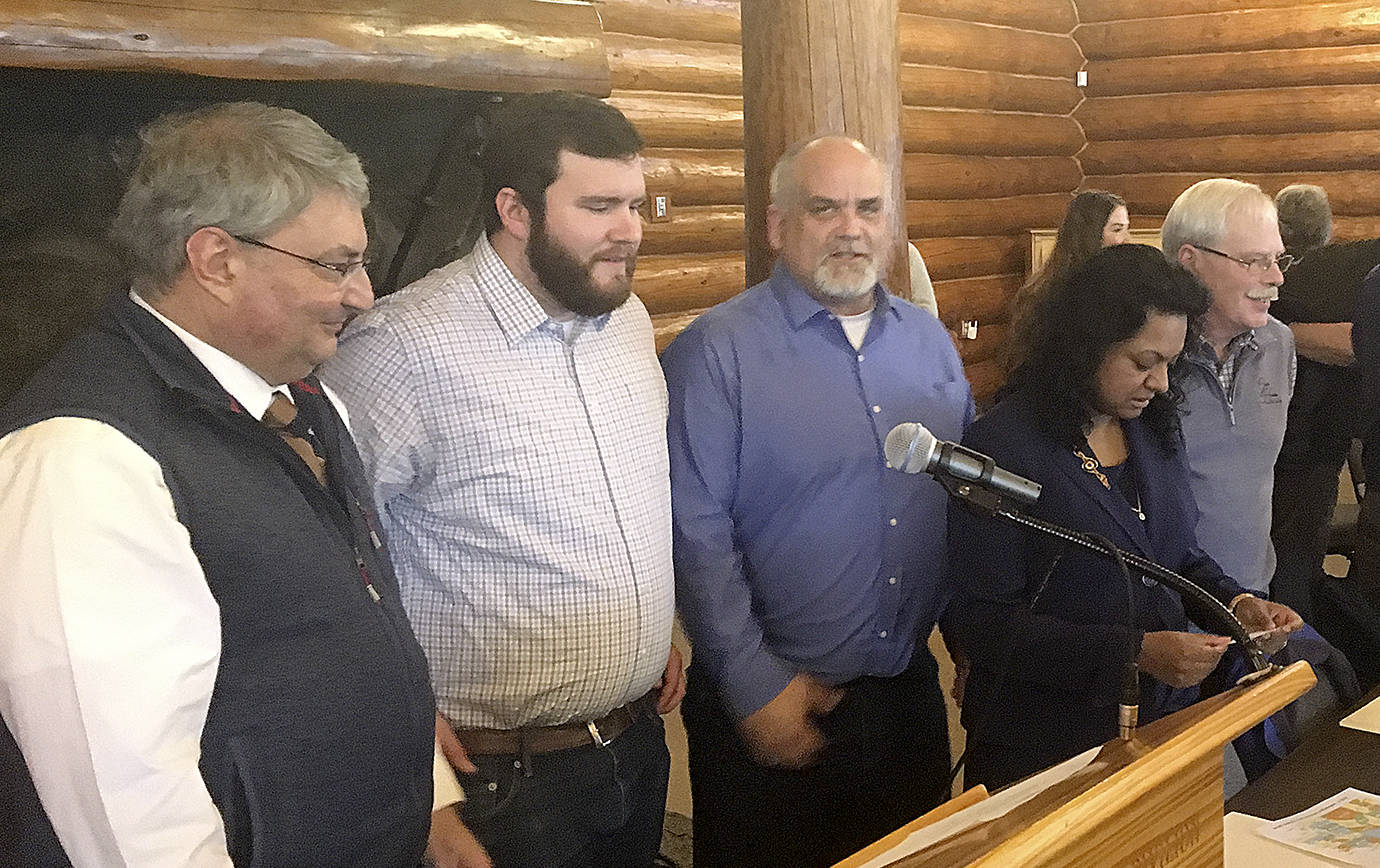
(203, 656)
(1238, 379)
(1318, 301)
(808, 573)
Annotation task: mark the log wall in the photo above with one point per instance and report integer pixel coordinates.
(676, 71)
(1270, 91)
(988, 88)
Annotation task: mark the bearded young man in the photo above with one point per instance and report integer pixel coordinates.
(808, 574)
(512, 416)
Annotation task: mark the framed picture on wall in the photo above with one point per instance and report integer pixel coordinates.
(1042, 242)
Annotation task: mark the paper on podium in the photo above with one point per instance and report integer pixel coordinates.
(987, 809)
(1366, 718)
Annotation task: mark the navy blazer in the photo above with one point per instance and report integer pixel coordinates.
(1067, 650)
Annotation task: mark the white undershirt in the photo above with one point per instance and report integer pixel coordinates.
(855, 326)
(110, 637)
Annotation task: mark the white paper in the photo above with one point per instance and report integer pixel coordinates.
(987, 809)
(1243, 847)
(1345, 827)
(1366, 718)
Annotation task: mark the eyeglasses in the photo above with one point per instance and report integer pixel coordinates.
(343, 269)
(1257, 265)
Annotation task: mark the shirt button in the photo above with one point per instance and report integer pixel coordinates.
(876, 408)
(861, 357)
(891, 581)
(493, 787)
(882, 634)
(891, 521)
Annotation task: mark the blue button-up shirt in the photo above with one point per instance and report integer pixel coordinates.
(796, 548)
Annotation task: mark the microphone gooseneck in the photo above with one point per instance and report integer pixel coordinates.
(974, 479)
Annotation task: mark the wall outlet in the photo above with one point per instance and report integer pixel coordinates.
(661, 209)
(1081, 78)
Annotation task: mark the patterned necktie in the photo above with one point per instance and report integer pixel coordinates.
(280, 416)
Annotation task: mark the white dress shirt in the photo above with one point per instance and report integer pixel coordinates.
(110, 637)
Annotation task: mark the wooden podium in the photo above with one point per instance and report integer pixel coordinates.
(1153, 801)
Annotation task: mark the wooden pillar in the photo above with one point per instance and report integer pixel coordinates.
(816, 66)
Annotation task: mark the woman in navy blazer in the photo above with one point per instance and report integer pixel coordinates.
(1092, 416)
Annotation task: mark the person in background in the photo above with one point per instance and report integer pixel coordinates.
(921, 287)
(1091, 415)
(809, 575)
(512, 418)
(203, 653)
(1316, 301)
(1238, 375)
(1095, 219)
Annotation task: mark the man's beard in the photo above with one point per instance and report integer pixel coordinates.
(570, 281)
(845, 282)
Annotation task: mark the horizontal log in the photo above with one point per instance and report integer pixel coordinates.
(946, 87)
(972, 45)
(1118, 10)
(1352, 193)
(973, 256)
(997, 134)
(989, 343)
(941, 217)
(704, 20)
(985, 378)
(1355, 228)
(648, 63)
(949, 176)
(1285, 67)
(675, 284)
(1302, 25)
(1045, 16)
(1187, 115)
(984, 299)
(683, 120)
(516, 46)
(694, 177)
(696, 229)
(666, 326)
(1223, 155)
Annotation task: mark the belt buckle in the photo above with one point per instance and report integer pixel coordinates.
(594, 733)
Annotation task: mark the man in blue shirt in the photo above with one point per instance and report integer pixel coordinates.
(808, 573)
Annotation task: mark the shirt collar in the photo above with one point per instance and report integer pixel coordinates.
(801, 307)
(252, 392)
(518, 313)
(1243, 341)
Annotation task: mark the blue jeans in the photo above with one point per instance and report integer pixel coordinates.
(587, 806)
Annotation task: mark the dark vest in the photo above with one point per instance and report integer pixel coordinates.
(317, 747)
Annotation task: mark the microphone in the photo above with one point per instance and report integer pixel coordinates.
(912, 449)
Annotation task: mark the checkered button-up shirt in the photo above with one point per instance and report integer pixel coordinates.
(520, 468)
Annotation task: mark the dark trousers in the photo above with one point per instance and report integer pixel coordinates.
(588, 806)
(887, 763)
(1305, 495)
